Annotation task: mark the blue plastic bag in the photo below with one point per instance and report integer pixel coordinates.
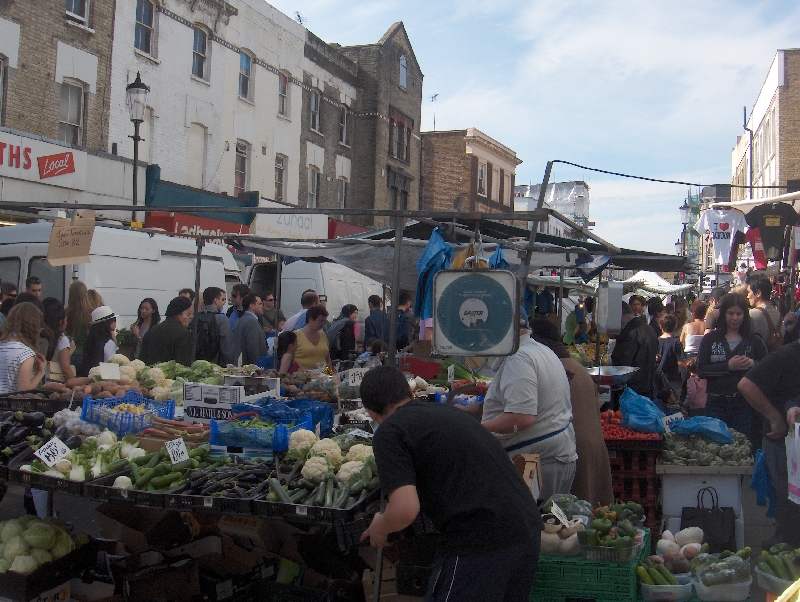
(760, 483)
(640, 413)
(711, 428)
(295, 409)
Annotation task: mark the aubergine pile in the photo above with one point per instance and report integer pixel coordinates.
(22, 431)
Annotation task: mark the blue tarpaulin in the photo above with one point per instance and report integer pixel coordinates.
(436, 257)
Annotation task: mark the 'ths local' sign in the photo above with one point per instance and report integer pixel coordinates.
(19, 157)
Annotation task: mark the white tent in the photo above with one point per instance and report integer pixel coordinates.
(650, 282)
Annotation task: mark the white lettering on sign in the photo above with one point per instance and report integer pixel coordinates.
(177, 450)
(52, 452)
(360, 433)
(559, 514)
(451, 373)
(667, 420)
(355, 376)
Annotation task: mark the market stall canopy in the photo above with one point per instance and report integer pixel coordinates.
(653, 283)
(791, 198)
(572, 284)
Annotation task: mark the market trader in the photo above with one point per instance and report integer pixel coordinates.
(529, 406)
(434, 458)
(637, 345)
(772, 387)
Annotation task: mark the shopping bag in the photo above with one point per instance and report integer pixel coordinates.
(793, 463)
(640, 413)
(718, 524)
(712, 428)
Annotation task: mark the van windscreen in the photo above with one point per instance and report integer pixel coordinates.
(52, 278)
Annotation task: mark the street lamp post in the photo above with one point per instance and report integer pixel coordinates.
(137, 104)
(684, 209)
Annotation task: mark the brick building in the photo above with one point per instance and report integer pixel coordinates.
(386, 115)
(466, 170)
(774, 158)
(54, 63)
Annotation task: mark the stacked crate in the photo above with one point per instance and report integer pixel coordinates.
(633, 474)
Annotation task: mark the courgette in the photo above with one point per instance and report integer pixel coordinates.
(644, 576)
(658, 578)
(342, 496)
(319, 498)
(329, 493)
(276, 487)
(667, 575)
(297, 495)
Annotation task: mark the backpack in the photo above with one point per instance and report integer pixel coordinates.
(208, 347)
(775, 337)
(402, 330)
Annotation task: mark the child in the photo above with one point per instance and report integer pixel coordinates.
(695, 391)
(670, 350)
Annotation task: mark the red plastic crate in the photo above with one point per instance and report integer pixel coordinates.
(426, 370)
(634, 463)
(636, 489)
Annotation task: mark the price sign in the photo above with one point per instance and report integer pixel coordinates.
(355, 376)
(109, 371)
(667, 420)
(360, 433)
(51, 452)
(559, 514)
(177, 450)
(451, 373)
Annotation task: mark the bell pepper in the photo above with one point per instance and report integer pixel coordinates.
(588, 538)
(625, 527)
(601, 525)
(623, 542)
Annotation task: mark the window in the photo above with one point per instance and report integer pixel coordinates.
(313, 186)
(240, 169)
(244, 75)
(199, 54)
(315, 110)
(197, 156)
(283, 95)
(280, 173)
(9, 269)
(495, 184)
(343, 124)
(482, 179)
(77, 10)
(341, 193)
(70, 117)
(391, 137)
(143, 36)
(398, 141)
(403, 72)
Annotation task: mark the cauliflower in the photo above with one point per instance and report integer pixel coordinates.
(127, 373)
(157, 375)
(137, 365)
(315, 468)
(160, 393)
(302, 439)
(120, 359)
(329, 448)
(349, 469)
(359, 452)
(94, 373)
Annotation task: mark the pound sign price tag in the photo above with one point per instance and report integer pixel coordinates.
(559, 514)
(355, 376)
(52, 451)
(451, 373)
(177, 450)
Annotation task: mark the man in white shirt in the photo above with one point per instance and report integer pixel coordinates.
(298, 320)
(528, 404)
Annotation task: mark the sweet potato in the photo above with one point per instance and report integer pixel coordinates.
(144, 391)
(75, 382)
(65, 397)
(104, 395)
(53, 387)
(119, 392)
(95, 389)
(77, 395)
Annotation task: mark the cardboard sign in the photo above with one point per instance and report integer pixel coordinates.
(201, 402)
(177, 450)
(559, 514)
(71, 239)
(52, 452)
(667, 420)
(451, 373)
(355, 376)
(109, 371)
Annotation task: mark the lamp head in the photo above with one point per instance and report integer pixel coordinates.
(137, 98)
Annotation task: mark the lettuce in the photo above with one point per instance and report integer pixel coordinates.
(15, 547)
(40, 535)
(12, 528)
(24, 564)
(41, 556)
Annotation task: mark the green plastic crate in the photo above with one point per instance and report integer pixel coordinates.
(570, 578)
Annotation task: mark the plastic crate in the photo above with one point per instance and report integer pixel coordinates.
(46, 406)
(101, 489)
(178, 500)
(771, 583)
(667, 593)
(22, 588)
(635, 444)
(99, 412)
(312, 514)
(731, 592)
(642, 490)
(562, 578)
(227, 433)
(631, 462)
(272, 591)
(348, 535)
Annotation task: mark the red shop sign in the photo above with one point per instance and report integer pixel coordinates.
(56, 165)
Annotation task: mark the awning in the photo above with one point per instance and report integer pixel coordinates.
(790, 198)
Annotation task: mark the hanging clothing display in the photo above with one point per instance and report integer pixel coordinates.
(771, 219)
(723, 224)
(753, 237)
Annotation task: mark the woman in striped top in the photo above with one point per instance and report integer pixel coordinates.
(21, 365)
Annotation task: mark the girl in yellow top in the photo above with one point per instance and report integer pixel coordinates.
(312, 343)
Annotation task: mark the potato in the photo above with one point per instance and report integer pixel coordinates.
(119, 392)
(104, 395)
(680, 565)
(75, 382)
(65, 397)
(96, 389)
(689, 535)
(144, 391)
(77, 395)
(110, 388)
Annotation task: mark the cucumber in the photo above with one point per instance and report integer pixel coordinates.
(667, 575)
(159, 482)
(658, 578)
(135, 472)
(116, 466)
(341, 497)
(276, 487)
(644, 576)
(329, 493)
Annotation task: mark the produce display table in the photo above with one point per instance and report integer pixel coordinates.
(559, 578)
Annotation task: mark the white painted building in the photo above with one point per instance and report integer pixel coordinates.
(570, 199)
(225, 102)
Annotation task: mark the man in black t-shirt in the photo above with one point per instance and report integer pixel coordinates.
(772, 386)
(437, 459)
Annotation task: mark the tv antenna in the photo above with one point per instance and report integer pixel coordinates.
(299, 18)
(433, 98)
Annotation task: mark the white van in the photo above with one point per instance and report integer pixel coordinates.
(340, 284)
(126, 266)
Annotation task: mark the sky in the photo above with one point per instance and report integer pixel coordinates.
(654, 89)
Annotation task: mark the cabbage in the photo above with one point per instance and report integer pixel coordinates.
(24, 564)
(41, 556)
(15, 547)
(40, 535)
(11, 529)
(4, 565)
(63, 545)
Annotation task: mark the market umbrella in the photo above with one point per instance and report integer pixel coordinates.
(434, 258)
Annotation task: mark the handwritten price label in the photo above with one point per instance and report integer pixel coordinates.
(451, 373)
(559, 514)
(667, 420)
(355, 376)
(52, 452)
(177, 450)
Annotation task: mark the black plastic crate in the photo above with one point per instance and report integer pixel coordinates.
(101, 489)
(348, 535)
(271, 591)
(22, 588)
(313, 514)
(177, 500)
(46, 406)
(412, 580)
(41, 481)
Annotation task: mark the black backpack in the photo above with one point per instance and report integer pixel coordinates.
(208, 347)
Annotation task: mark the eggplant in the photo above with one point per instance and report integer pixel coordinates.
(62, 433)
(7, 416)
(16, 434)
(32, 418)
(74, 442)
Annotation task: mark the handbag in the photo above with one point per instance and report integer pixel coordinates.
(718, 524)
(53, 372)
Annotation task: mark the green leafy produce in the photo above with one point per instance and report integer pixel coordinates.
(24, 564)
(11, 529)
(40, 535)
(15, 547)
(41, 556)
(696, 450)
